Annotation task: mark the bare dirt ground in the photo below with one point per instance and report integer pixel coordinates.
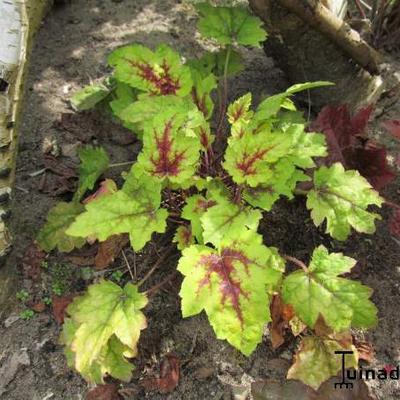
(71, 50)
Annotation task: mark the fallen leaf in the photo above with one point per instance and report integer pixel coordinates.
(393, 126)
(320, 327)
(104, 392)
(32, 262)
(59, 305)
(59, 167)
(281, 314)
(82, 126)
(169, 376)
(38, 307)
(81, 261)
(109, 250)
(365, 350)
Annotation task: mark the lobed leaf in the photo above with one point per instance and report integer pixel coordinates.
(316, 361)
(183, 237)
(230, 25)
(89, 96)
(342, 198)
(103, 329)
(233, 284)
(94, 161)
(169, 149)
(158, 73)
(319, 291)
(282, 182)
(228, 220)
(195, 207)
(121, 213)
(53, 234)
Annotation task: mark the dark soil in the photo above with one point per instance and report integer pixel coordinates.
(70, 50)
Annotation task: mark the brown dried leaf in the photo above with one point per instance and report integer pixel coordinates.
(104, 392)
(32, 262)
(38, 307)
(320, 327)
(59, 167)
(59, 305)
(81, 261)
(109, 250)
(365, 350)
(169, 376)
(281, 314)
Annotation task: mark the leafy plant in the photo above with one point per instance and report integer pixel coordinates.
(213, 185)
(23, 295)
(27, 314)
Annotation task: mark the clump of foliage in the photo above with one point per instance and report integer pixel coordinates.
(216, 181)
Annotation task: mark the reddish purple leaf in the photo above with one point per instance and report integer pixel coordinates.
(394, 223)
(348, 143)
(393, 126)
(371, 162)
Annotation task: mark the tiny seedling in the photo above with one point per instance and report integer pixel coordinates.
(26, 314)
(23, 295)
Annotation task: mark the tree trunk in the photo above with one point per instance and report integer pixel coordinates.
(310, 43)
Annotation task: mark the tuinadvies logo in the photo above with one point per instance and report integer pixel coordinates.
(388, 372)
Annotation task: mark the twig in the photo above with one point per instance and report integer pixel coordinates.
(392, 204)
(360, 9)
(129, 267)
(157, 287)
(156, 265)
(296, 261)
(121, 164)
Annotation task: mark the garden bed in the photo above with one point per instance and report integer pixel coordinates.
(70, 51)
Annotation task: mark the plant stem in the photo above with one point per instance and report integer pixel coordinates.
(121, 164)
(157, 287)
(391, 204)
(297, 262)
(224, 97)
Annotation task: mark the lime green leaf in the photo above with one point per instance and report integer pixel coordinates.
(342, 198)
(228, 220)
(342, 302)
(230, 25)
(233, 285)
(183, 237)
(121, 213)
(158, 73)
(169, 149)
(195, 207)
(94, 161)
(299, 87)
(316, 361)
(282, 182)
(104, 328)
(215, 63)
(239, 115)
(142, 112)
(201, 92)
(88, 97)
(254, 147)
(271, 105)
(124, 96)
(139, 184)
(53, 234)
(203, 132)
